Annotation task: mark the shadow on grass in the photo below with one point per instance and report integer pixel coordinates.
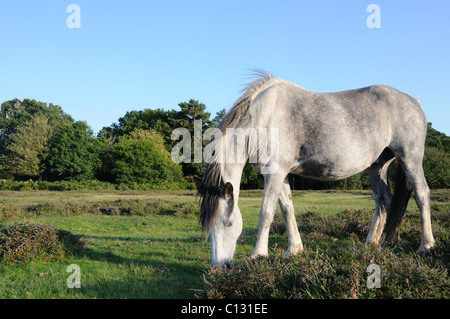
(167, 269)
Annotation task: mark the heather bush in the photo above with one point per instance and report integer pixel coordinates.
(22, 243)
(123, 207)
(338, 273)
(335, 262)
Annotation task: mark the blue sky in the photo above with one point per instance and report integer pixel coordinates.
(131, 55)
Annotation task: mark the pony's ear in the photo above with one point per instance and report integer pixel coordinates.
(198, 184)
(228, 190)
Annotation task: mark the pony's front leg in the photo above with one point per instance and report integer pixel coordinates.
(272, 190)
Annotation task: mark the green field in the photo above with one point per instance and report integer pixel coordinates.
(134, 252)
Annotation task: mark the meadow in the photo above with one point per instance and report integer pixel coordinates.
(149, 244)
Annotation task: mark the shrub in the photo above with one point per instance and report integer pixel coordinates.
(187, 210)
(124, 207)
(22, 243)
(341, 273)
(12, 185)
(141, 158)
(8, 212)
(338, 268)
(436, 165)
(72, 153)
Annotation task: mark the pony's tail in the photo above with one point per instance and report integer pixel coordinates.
(399, 202)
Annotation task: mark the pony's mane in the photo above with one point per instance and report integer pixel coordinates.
(212, 187)
(240, 110)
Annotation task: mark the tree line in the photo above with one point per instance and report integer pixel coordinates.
(40, 142)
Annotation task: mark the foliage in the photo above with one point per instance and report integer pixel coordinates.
(192, 111)
(72, 153)
(437, 139)
(39, 141)
(436, 165)
(23, 156)
(189, 112)
(141, 158)
(164, 122)
(15, 113)
(251, 179)
(12, 185)
(218, 118)
(158, 120)
(24, 130)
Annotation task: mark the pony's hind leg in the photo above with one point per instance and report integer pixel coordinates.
(414, 172)
(295, 245)
(382, 194)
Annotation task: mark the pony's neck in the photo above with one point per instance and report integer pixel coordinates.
(233, 161)
(232, 173)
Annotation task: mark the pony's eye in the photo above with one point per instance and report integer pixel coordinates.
(230, 224)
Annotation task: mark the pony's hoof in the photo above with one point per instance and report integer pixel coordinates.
(293, 251)
(425, 248)
(255, 256)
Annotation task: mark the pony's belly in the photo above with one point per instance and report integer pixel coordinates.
(336, 161)
(326, 171)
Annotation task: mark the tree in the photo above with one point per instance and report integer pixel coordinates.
(72, 153)
(191, 111)
(436, 165)
(218, 118)
(104, 144)
(251, 179)
(23, 156)
(436, 162)
(158, 120)
(141, 157)
(15, 113)
(437, 139)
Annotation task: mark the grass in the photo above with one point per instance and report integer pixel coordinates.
(148, 244)
(153, 255)
(125, 257)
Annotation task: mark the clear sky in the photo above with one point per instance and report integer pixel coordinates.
(136, 54)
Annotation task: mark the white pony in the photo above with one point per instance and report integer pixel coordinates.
(325, 136)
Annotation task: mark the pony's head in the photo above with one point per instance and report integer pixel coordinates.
(219, 216)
